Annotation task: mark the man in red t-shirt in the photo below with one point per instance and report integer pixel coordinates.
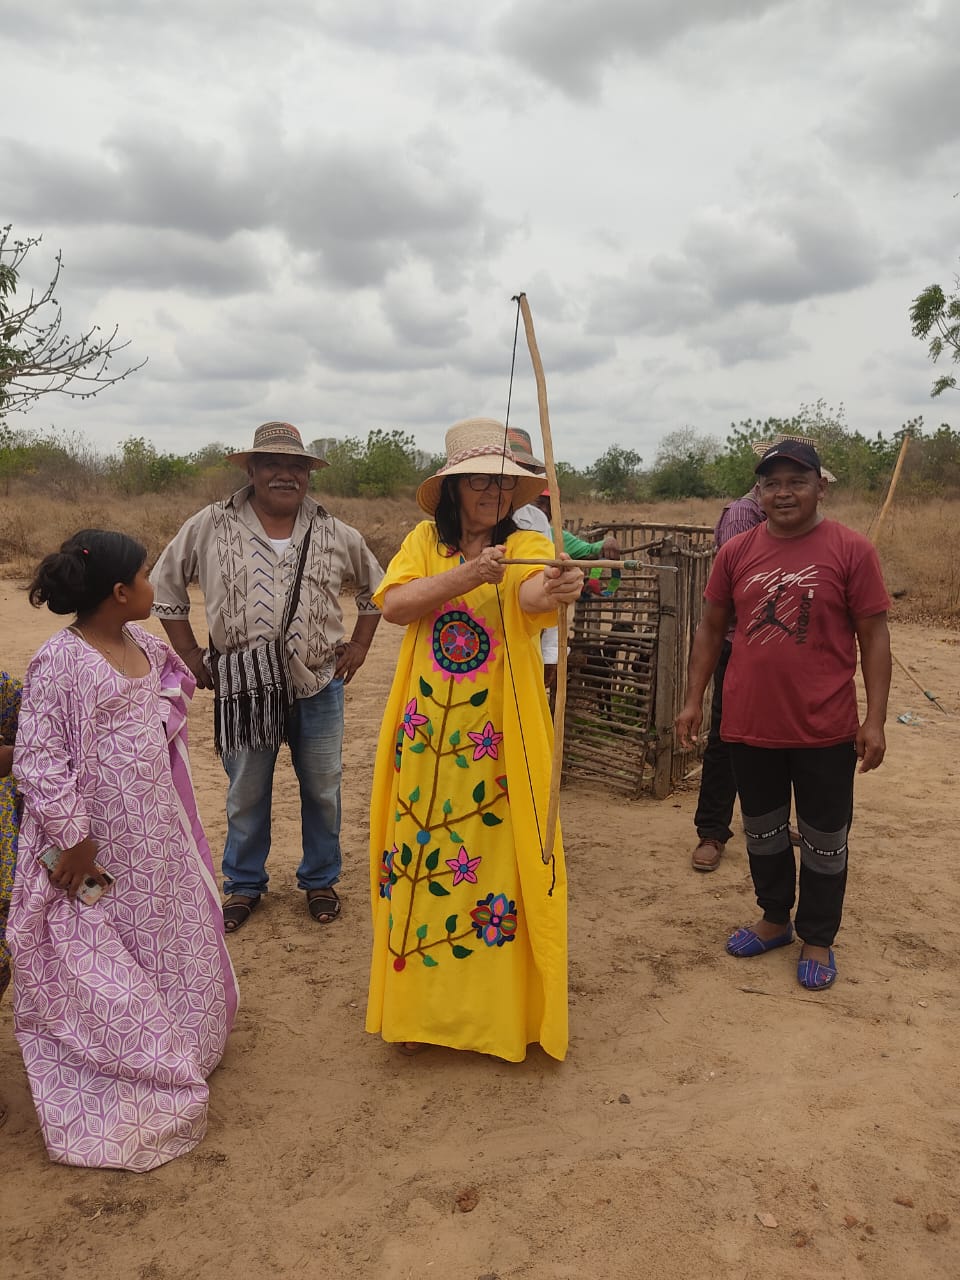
(805, 592)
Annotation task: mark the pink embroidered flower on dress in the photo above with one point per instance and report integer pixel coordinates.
(486, 742)
(463, 867)
(411, 719)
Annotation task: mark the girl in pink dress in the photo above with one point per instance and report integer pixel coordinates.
(122, 1007)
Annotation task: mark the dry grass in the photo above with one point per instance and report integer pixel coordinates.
(919, 542)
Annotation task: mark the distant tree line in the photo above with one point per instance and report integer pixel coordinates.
(388, 463)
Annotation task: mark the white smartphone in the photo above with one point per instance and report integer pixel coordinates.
(91, 890)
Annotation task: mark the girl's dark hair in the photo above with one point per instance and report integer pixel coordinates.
(83, 573)
(447, 517)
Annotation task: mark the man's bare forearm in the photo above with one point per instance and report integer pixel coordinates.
(181, 637)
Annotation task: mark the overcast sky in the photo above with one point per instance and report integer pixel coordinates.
(319, 211)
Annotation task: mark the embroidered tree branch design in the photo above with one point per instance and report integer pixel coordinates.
(420, 862)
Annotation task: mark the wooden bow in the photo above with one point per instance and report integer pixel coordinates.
(560, 705)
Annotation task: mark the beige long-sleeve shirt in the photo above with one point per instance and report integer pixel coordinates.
(245, 582)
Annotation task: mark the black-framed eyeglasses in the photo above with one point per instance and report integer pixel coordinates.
(478, 483)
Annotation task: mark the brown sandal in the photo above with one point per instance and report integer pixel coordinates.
(237, 911)
(323, 904)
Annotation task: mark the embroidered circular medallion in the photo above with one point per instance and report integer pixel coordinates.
(460, 643)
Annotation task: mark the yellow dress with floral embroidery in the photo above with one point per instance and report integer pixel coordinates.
(470, 925)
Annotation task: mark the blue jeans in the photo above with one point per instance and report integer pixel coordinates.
(316, 739)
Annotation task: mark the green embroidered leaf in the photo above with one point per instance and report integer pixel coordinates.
(479, 698)
(390, 923)
(432, 858)
(490, 820)
(421, 931)
(450, 924)
(417, 747)
(429, 962)
(479, 791)
(406, 856)
(447, 807)
(429, 728)
(438, 890)
(454, 738)
(425, 689)
(456, 837)
(414, 795)
(461, 762)
(462, 952)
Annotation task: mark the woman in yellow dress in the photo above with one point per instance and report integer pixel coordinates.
(470, 927)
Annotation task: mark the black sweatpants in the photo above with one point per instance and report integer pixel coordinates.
(718, 787)
(822, 783)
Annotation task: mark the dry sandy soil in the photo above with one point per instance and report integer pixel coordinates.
(701, 1093)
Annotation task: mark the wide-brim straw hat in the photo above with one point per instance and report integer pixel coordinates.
(760, 447)
(521, 446)
(478, 446)
(277, 437)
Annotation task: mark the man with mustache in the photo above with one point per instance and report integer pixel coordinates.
(270, 562)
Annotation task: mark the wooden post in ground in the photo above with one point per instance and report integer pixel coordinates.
(892, 490)
(665, 709)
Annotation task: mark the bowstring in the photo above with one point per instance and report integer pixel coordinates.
(503, 621)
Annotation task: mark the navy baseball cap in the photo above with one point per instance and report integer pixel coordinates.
(790, 451)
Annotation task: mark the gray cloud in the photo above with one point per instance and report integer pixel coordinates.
(360, 211)
(905, 115)
(138, 258)
(734, 268)
(751, 333)
(247, 353)
(105, 22)
(432, 321)
(569, 44)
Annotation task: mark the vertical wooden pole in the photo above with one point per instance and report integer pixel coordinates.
(666, 670)
(892, 490)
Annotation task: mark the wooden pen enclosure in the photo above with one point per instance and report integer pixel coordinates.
(627, 665)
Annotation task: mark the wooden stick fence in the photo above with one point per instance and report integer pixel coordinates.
(628, 664)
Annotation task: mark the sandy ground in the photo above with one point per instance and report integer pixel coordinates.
(700, 1092)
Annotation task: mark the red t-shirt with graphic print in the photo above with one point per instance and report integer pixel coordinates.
(789, 682)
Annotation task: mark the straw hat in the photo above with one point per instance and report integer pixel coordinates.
(277, 437)
(477, 446)
(521, 447)
(760, 447)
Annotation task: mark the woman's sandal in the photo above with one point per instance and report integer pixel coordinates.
(323, 905)
(237, 910)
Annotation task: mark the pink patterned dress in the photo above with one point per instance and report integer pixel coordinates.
(122, 1009)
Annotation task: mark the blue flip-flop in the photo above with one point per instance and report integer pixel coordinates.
(815, 975)
(747, 942)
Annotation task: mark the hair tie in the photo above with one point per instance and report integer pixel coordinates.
(85, 551)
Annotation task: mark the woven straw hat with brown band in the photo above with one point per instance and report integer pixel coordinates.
(277, 437)
(521, 447)
(760, 447)
(476, 447)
